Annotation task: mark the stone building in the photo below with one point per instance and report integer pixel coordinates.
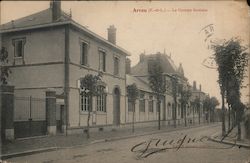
(49, 49)
(145, 110)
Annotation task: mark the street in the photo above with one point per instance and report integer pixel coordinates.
(189, 146)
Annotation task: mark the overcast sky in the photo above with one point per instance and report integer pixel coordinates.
(176, 27)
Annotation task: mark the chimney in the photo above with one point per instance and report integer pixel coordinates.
(194, 85)
(55, 5)
(128, 66)
(112, 34)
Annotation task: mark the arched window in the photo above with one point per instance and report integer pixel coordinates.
(169, 109)
(101, 99)
(150, 104)
(85, 102)
(142, 102)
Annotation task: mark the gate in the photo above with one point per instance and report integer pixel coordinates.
(29, 117)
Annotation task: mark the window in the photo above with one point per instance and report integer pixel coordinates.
(142, 103)
(84, 53)
(150, 104)
(85, 102)
(169, 109)
(130, 106)
(19, 47)
(116, 66)
(102, 61)
(151, 63)
(158, 107)
(101, 99)
(173, 111)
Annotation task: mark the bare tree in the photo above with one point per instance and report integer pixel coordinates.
(133, 93)
(157, 82)
(89, 87)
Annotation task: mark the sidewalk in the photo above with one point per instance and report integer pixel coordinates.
(48, 143)
(231, 138)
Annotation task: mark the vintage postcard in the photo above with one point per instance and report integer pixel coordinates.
(124, 81)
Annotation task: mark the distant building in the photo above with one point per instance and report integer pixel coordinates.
(139, 75)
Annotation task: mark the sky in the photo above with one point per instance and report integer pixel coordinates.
(176, 27)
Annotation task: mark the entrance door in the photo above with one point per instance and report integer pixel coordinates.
(116, 106)
(59, 118)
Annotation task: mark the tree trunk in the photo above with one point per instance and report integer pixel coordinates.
(223, 115)
(133, 121)
(159, 113)
(185, 114)
(193, 113)
(209, 115)
(233, 118)
(239, 132)
(90, 109)
(229, 117)
(238, 117)
(175, 107)
(199, 112)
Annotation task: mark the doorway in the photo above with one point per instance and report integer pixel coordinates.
(116, 106)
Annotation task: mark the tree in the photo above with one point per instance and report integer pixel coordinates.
(185, 97)
(207, 107)
(89, 87)
(5, 71)
(174, 81)
(157, 82)
(197, 106)
(133, 93)
(210, 105)
(213, 102)
(231, 59)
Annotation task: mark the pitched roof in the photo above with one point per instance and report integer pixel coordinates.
(44, 19)
(141, 85)
(167, 64)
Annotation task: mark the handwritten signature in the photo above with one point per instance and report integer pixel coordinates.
(152, 146)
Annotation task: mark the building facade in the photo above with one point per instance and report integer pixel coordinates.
(170, 114)
(50, 50)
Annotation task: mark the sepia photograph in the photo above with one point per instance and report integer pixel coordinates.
(125, 81)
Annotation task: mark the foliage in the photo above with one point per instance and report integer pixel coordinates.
(5, 71)
(156, 78)
(214, 102)
(157, 82)
(231, 59)
(197, 102)
(133, 92)
(89, 84)
(185, 96)
(210, 103)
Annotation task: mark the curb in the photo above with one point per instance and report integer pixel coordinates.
(30, 152)
(212, 138)
(144, 134)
